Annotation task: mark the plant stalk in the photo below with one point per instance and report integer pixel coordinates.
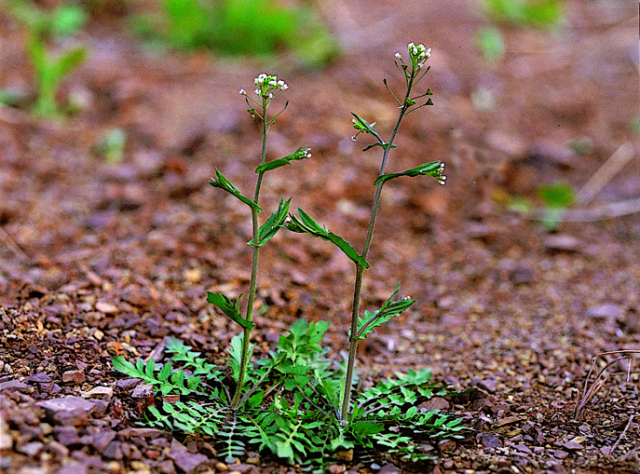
(246, 332)
(355, 311)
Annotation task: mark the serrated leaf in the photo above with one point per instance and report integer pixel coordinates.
(124, 366)
(367, 427)
(255, 400)
(299, 154)
(433, 169)
(149, 368)
(230, 308)
(223, 183)
(305, 224)
(273, 224)
(163, 375)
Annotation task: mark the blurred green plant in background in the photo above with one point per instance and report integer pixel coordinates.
(45, 30)
(240, 27)
(546, 14)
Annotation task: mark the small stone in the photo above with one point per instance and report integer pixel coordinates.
(73, 376)
(609, 311)
(389, 469)
(560, 454)
(253, 460)
(241, 468)
(68, 410)
(435, 403)
(14, 385)
(102, 439)
(220, 466)
(142, 391)
(30, 449)
(489, 440)
(488, 385)
(335, 469)
(113, 451)
(572, 446)
(447, 446)
(106, 308)
(346, 455)
(522, 448)
(562, 242)
(39, 378)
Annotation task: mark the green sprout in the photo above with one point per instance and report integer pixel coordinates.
(49, 69)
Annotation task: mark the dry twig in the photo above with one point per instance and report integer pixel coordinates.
(589, 391)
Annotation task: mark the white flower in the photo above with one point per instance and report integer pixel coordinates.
(398, 56)
(243, 92)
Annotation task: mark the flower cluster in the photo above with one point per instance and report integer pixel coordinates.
(267, 86)
(417, 55)
(438, 176)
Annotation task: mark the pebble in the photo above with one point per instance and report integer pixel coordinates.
(605, 311)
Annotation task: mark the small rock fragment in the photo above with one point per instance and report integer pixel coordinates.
(488, 385)
(489, 440)
(73, 376)
(609, 311)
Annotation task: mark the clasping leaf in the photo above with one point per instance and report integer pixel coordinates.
(433, 169)
(387, 311)
(299, 154)
(223, 183)
(306, 224)
(273, 224)
(230, 308)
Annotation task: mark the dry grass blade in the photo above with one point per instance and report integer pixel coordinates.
(591, 388)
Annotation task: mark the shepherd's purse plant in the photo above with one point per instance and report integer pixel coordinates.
(295, 402)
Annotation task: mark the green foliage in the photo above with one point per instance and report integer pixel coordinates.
(305, 224)
(299, 154)
(49, 70)
(433, 169)
(166, 379)
(273, 224)
(532, 13)
(389, 309)
(223, 183)
(241, 27)
(491, 43)
(557, 195)
(298, 421)
(111, 146)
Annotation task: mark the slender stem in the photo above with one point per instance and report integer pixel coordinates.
(355, 311)
(246, 333)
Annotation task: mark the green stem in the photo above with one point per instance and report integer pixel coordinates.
(246, 333)
(353, 338)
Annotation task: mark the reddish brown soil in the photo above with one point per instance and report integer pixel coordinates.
(99, 259)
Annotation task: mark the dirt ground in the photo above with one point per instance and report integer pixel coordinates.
(100, 259)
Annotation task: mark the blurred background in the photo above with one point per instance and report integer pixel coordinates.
(114, 114)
